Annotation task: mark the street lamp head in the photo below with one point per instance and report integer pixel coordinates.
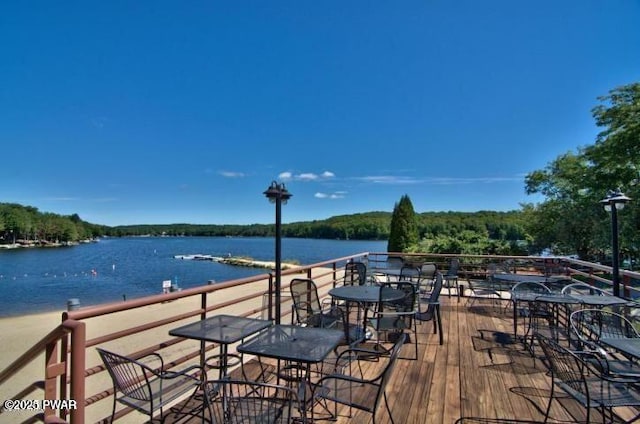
(277, 191)
(616, 199)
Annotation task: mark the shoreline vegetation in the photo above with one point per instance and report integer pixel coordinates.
(25, 244)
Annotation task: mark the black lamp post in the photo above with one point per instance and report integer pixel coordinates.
(614, 202)
(278, 194)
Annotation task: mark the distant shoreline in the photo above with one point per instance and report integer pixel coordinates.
(31, 244)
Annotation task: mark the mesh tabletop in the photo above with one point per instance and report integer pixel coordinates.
(221, 328)
(628, 346)
(597, 300)
(520, 278)
(366, 294)
(294, 343)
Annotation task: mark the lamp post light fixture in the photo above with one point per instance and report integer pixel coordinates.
(614, 202)
(278, 194)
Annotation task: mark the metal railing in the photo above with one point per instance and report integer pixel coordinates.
(72, 369)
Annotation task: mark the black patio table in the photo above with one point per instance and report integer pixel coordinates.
(629, 346)
(364, 295)
(222, 329)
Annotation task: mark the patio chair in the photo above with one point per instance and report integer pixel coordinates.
(485, 288)
(237, 401)
(533, 311)
(355, 274)
(574, 376)
(591, 325)
(359, 392)
(391, 319)
(306, 304)
(149, 390)
(451, 277)
(433, 308)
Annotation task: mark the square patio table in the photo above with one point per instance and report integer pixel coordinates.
(221, 329)
(303, 345)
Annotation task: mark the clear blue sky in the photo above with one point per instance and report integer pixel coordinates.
(131, 112)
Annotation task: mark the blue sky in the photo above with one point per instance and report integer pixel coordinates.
(130, 112)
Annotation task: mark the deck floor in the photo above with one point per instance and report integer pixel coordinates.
(479, 375)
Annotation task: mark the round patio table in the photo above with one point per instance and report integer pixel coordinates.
(364, 295)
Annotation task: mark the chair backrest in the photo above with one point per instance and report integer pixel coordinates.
(433, 299)
(355, 274)
(394, 262)
(306, 303)
(428, 271)
(129, 376)
(530, 287)
(583, 288)
(407, 303)
(566, 368)
(454, 266)
(238, 401)
(410, 273)
(590, 325)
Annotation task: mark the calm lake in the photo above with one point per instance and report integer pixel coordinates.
(43, 279)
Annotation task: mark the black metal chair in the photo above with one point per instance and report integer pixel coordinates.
(307, 311)
(306, 304)
(451, 277)
(355, 274)
(149, 390)
(244, 402)
(358, 392)
(433, 307)
(590, 325)
(536, 314)
(578, 379)
(392, 318)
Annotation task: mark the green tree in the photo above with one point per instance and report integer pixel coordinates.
(403, 233)
(571, 220)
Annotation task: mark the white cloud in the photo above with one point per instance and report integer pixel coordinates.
(399, 180)
(388, 179)
(231, 174)
(306, 176)
(335, 195)
(285, 176)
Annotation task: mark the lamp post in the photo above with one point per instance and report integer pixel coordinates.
(278, 194)
(614, 202)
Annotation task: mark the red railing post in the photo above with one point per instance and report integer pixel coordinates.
(78, 366)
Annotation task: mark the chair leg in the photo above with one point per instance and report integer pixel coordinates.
(439, 324)
(386, 403)
(546, 415)
(113, 410)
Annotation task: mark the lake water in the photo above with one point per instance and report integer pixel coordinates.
(43, 279)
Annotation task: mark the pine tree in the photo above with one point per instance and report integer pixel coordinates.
(404, 229)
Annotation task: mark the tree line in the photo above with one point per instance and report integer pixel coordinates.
(27, 224)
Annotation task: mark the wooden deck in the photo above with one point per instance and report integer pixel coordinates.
(479, 375)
